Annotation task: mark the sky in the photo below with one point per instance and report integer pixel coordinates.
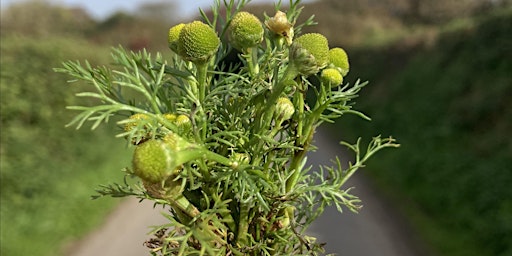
(101, 9)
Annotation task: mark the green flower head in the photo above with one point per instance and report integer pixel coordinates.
(134, 121)
(170, 117)
(156, 160)
(241, 158)
(339, 59)
(245, 31)
(183, 122)
(197, 42)
(153, 161)
(331, 76)
(138, 127)
(284, 108)
(310, 53)
(173, 37)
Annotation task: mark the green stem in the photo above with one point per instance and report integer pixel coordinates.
(321, 105)
(202, 80)
(288, 77)
(299, 105)
(294, 167)
(251, 56)
(266, 109)
(296, 161)
(182, 203)
(322, 97)
(203, 168)
(173, 194)
(202, 71)
(243, 225)
(220, 159)
(186, 211)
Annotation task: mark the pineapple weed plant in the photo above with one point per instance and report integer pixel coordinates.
(223, 147)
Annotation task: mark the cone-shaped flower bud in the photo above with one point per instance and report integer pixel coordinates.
(280, 25)
(140, 121)
(339, 59)
(241, 158)
(310, 53)
(245, 31)
(174, 35)
(183, 123)
(197, 42)
(134, 121)
(154, 161)
(331, 76)
(170, 117)
(286, 215)
(284, 109)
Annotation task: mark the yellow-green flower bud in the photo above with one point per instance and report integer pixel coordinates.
(241, 158)
(183, 123)
(133, 122)
(339, 59)
(245, 31)
(197, 42)
(173, 37)
(284, 109)
(310, 53)
(170, 117)
(280, 25)
(331, 76)
(286, 216)
(154, 161)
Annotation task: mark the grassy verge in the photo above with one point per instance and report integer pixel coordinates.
(48, 172)
(450, 106)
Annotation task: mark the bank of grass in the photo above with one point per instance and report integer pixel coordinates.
(450, 107)
(49, 172)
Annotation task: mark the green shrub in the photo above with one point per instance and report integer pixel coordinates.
(45, 188)
(451, 108)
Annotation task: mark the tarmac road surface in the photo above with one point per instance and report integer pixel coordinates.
(376, 230)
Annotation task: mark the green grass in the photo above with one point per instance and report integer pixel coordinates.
(49, 172)
(450, 107)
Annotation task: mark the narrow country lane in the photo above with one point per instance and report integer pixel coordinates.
(376, 230)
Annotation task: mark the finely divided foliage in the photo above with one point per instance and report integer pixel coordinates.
(233, 137)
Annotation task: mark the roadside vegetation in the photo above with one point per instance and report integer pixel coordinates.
(439, 82)
(48, 172)
(449, 104)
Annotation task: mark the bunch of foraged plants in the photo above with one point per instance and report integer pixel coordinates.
(223, 146)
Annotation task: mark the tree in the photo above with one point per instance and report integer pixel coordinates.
(163, 11)
(51, 19)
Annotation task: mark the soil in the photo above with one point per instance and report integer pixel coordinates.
(376, 230)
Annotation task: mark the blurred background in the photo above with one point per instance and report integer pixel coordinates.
(440, 77)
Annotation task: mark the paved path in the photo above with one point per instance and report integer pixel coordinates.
(376, 230)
